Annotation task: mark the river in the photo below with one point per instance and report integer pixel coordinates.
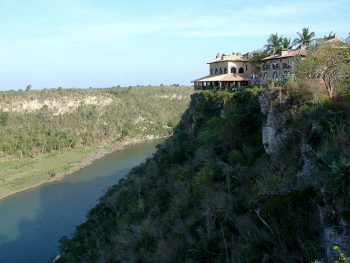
(32, 222)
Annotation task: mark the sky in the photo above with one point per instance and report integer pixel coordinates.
(104, 43)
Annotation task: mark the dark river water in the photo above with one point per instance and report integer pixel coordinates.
(32, 222)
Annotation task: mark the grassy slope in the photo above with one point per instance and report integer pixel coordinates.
(211, 194)
(19, 174)
(34, 145)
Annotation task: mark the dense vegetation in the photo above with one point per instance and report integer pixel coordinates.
(84, 118)
(259, 175)
(212, 194)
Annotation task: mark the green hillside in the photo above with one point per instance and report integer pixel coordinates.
(215, 193)
(43, 121)
(258, 175)
(46, 134)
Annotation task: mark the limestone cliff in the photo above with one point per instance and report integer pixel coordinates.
(254, 176)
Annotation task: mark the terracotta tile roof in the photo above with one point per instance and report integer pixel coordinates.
(288, 53)
(232, 57)
(235, 77)
(197, 80)
(224, 77)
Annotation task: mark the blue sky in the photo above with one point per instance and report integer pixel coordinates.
(82, 43)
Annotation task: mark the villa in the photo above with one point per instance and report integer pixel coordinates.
(279, 66)
(227, 71)
(235, 71)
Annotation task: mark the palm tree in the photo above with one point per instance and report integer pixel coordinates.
(286, 43)
(304, 38)
(274, 44)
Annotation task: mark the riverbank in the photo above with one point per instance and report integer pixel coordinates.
(22, 174)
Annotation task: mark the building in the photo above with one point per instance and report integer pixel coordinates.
(279, 66)
(235, 71)
(227, 71)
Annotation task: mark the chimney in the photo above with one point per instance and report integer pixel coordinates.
(284, 51)
(303, 47)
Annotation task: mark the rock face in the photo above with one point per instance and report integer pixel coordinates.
(275, 136)
(57, 106)
(273, 132)
(333, 236)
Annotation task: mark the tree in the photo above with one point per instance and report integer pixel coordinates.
(256, 59)
(29, 87)
(274, 44)
(305, 37)
(330, 35)
(329, 62)
(286, 43)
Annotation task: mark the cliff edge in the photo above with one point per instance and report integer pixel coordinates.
(260, 175)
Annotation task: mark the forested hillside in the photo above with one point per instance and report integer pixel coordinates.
(43, 121)
(47, 134)
(255, 176)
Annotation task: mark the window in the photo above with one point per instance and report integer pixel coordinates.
(275, 65)
(274, 75)
(241, 70)
(233, 70)
(246, 67)
(265, 76)
(211, 72)
(220, 71)
(225, 71)
(216, 71)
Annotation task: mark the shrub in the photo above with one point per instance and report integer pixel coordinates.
(4, 118)
(341, 258)
(235, 157)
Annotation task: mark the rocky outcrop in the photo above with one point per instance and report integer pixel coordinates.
(273, 131)
(277, 108)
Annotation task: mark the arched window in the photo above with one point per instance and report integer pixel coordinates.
(216, 71)
(220, 71)
(241, 70)
(225, 71)
(233, 70)
(265, 76)
(274, 75)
